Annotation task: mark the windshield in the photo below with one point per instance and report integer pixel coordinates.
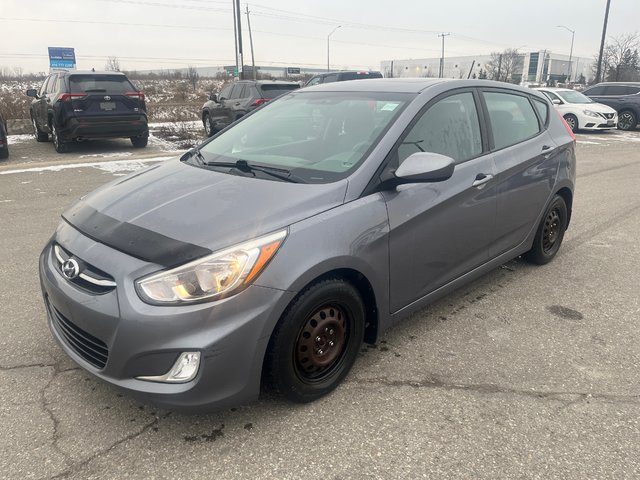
(319, 137)
(574, 97)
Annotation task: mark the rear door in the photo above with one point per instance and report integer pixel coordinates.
(526, 163)
(440, 231)
(102, 95)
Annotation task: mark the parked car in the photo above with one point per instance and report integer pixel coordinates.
(79, 105)
(624, 97)
(4, 143)
(238, 99)
(341, 77)
(579, 111)
(311, 224)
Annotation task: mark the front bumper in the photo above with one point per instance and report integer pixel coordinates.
(586, 122)
(144, 340)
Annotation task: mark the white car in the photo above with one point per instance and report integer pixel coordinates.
(579, 111)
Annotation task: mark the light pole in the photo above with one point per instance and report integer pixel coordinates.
(573, 32)
(328, 37)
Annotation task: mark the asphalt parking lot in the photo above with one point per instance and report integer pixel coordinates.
(529, 372)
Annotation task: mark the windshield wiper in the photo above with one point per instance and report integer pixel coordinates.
(194, 152)
(244, 166)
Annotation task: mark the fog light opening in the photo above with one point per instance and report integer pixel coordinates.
(183, 370)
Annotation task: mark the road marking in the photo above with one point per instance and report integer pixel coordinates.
(111, 167)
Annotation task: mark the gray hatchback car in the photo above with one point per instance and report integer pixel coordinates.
(272, 251)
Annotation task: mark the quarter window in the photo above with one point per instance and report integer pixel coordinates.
(543, 109)
(512, 118)
(449, 127)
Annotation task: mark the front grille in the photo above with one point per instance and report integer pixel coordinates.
(90, 278)
(608, 116)
(92, 349)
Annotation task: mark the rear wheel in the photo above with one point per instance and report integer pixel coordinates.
(550, 233)
(572, 121)
(627, 120)
(139, 142)
(316, 342)
(58, 143)
(4, 152)
(40, 136)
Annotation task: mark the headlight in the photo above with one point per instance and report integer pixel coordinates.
(213, 276)
(589, 113)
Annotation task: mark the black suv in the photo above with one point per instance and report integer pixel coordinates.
(77, 105)
(341, 77)
(623, 96)
(238, 99)
(4, 145)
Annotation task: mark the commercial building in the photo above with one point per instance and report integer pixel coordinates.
(531, 67)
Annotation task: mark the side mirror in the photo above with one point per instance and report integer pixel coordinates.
(424, 167)
(213, 97)
(32, 92)
(555, 101)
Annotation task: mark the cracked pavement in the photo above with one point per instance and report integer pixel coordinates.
(529, 372)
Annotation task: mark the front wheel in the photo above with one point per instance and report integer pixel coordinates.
(40, 136)
(627, 120)
(208, 125)
(316, 342)
(550, 233)
(572, 121)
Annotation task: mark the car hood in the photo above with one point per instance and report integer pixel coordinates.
(595, 107)
(173, 204)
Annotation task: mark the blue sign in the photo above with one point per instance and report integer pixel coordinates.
(61, 57)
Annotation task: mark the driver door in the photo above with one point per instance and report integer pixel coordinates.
(440, 231)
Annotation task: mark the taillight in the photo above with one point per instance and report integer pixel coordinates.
(260, 101)
(566, 125)
(138, 95)
(67, 97)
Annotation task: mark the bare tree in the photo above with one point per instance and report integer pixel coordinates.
(17, 72)
(503, 66)
(113, 64)
(621, 55)
(193, 76)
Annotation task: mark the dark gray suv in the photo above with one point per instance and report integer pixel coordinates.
(277, 247)
(624, 97)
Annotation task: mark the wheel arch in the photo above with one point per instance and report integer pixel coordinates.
(567, 196)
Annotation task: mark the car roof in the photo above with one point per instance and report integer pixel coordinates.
(634, 84)
(409, 85)
(91, 72)
(555, 89)
(268, 82)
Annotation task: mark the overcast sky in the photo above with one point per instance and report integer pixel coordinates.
(147, 34)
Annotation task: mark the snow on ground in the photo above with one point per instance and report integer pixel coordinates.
(13, 139)
(113, 167)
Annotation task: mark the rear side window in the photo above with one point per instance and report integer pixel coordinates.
(88, 83)
(616, 90)
(43, 89)
(275, 90)
(512, 118)
(359, 75)
(543, 109)
(330, 78)
(224, 94)
(314, 81)
(633, 90)
(449, 127)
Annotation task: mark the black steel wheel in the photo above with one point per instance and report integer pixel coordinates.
(316, 342)
(572, 121)
(627, 120)
(139, 142)
(550, 233)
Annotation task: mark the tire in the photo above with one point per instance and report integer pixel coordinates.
(40, 136)
(627, 120)
(139, 142)
(209, 129)
(58, 143)
(316, 341)
(4, 153)
(572, 121)
(550, 233)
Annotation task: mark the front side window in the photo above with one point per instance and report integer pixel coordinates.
(314, 81)
(598, 90)
(224, 94)
(449, 127)
(237, 89)
(512, 118)
(319, 137)
(43, 88)
(552, 96)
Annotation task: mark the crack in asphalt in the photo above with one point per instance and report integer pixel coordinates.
(55, 437)
(28, 365)
(492, 389)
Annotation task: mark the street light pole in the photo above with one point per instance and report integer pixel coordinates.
(441, 73)
(573, 32)
(328, 37)
(604, 35)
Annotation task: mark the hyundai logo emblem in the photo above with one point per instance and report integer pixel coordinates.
(70, 269)
(107, 98)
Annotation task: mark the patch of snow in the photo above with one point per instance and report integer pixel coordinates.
(110, 167)
(13, 139)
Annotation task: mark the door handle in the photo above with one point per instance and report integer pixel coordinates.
(546, 147)
(548, 151)
(481, 179)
